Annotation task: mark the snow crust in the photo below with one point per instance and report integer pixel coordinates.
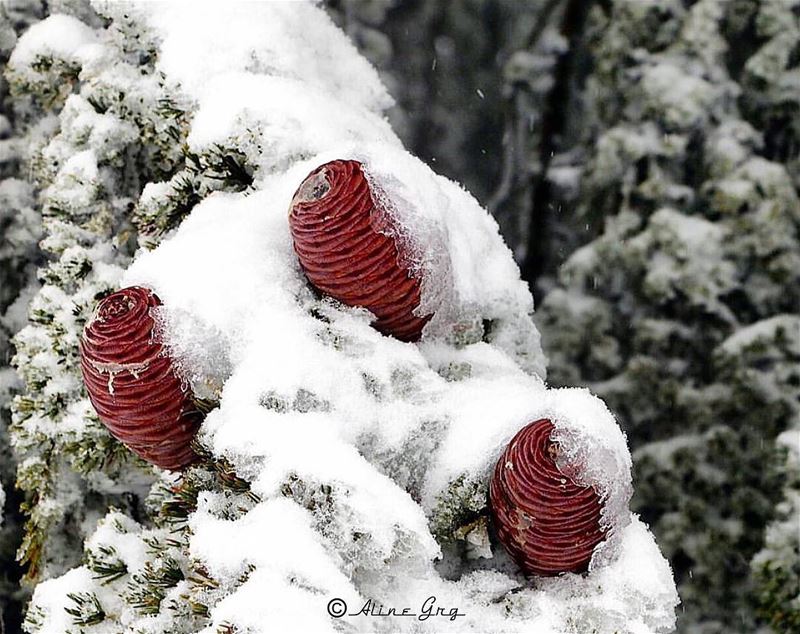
(279, 39)
(62, 36)
(355, 443)
(284, 116)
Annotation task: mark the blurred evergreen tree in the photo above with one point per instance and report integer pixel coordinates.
(20, 228)
(683, 312)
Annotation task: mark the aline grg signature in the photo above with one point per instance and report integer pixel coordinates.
(337, 608)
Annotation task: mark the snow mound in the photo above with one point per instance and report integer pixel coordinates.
(280, 39)
(277, 120)
(61, 36)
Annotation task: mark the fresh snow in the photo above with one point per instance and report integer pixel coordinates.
(59, 35)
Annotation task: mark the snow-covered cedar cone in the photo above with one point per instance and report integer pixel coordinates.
(132, 381)
(342, 238)
(547, 522)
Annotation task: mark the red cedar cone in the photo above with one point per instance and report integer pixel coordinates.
(547, 523)
(337, 229)
(132, 382)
